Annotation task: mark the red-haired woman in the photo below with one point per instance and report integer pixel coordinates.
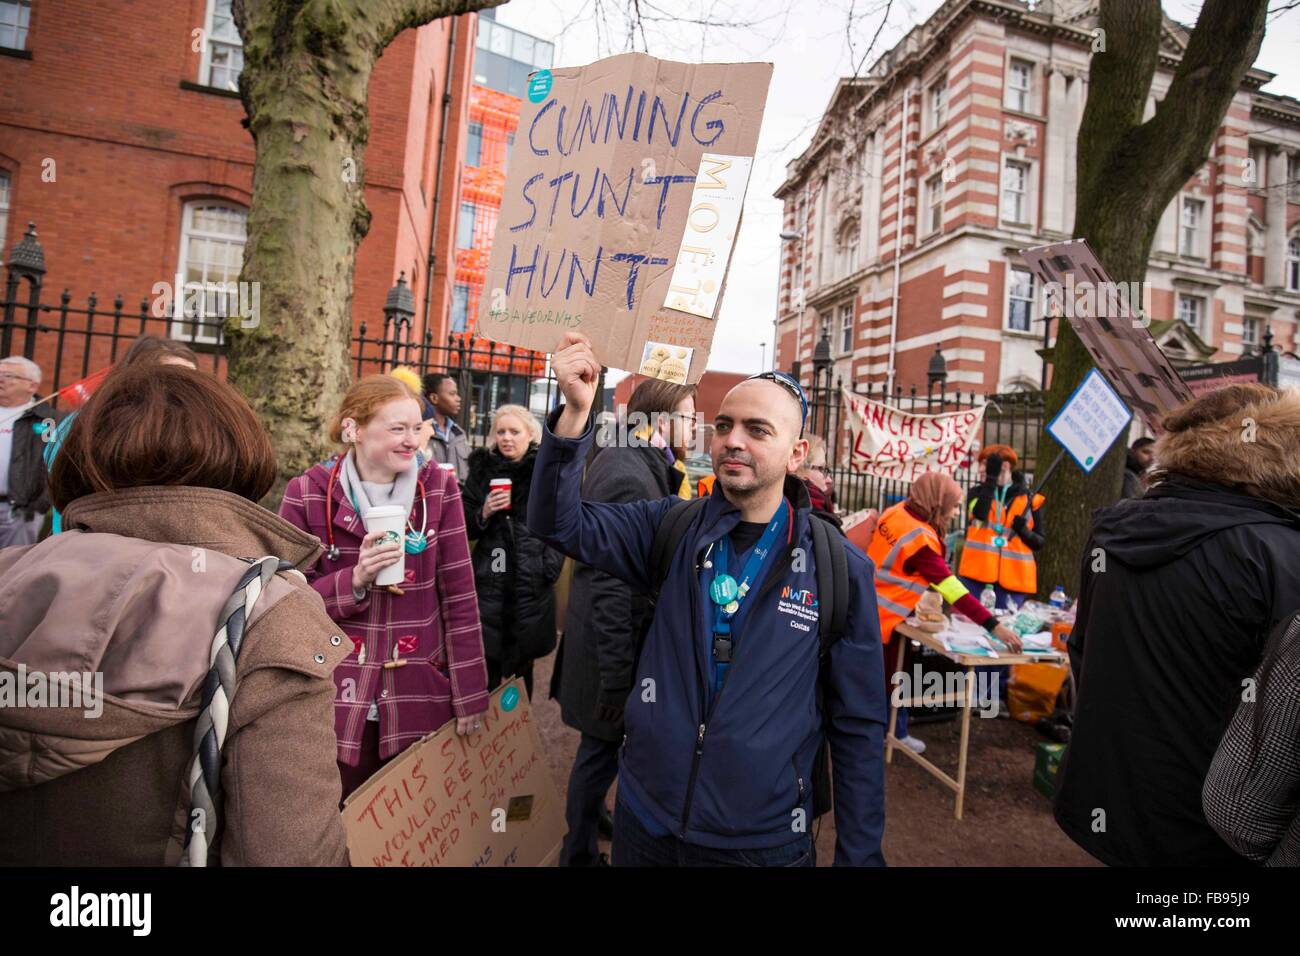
(417, 656)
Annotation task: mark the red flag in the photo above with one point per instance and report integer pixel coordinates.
(80, 390)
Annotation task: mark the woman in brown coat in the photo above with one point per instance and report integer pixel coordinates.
(158, 482)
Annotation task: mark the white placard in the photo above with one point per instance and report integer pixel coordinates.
(1090, 421)
(711, 225)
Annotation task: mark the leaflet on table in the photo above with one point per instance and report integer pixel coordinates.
(966, 637)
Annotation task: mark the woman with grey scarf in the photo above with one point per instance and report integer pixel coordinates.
(417, 658)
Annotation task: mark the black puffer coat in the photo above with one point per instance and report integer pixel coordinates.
(514, 571)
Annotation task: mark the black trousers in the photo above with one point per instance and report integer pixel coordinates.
(594, 769)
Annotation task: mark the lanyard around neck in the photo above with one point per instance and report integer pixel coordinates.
(727, 594)
(1001, 495)
(415, 541)
(723, 582)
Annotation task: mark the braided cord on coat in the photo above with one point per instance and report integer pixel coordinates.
(214, 714)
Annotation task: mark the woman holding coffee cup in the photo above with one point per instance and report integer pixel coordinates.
(514, 571)
(395, 576)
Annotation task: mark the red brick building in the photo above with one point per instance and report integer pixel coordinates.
(503, 59)
(122, 139)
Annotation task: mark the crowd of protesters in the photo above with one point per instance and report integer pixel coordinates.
(709, 668)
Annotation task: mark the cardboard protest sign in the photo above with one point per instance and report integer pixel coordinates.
(621, 209)
(890, 443)
(1109, 328)
(1090, 421)
(486, 799)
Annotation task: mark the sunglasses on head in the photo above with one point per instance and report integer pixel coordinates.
(791, 385)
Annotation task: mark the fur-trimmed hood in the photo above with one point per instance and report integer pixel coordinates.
(1242, 437)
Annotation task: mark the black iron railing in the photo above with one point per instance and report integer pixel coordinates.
(70, 342)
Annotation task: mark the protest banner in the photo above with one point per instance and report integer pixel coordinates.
(890, 443)
(486, 799)
(1109, 327)
(1089, 421)
(621, 209)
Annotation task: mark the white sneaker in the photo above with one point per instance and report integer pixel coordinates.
(913, 744)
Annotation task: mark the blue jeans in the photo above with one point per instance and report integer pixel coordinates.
(594, 769)
(633, 846)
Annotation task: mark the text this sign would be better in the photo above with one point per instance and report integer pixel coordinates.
(486, 799)
(1090, 421)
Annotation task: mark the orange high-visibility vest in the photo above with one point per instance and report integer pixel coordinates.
(705, 486)
(1013, 565)
(897, 537)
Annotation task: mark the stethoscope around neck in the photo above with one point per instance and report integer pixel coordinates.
(332, 550)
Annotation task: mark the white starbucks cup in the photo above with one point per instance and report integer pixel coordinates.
(390, 519)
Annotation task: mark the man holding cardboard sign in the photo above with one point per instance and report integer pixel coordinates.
(737, 685)
(621, 209)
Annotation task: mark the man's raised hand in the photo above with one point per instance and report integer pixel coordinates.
(577, 373)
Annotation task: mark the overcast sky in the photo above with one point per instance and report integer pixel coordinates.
(811, 46)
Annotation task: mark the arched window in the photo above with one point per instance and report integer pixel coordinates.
(847, 242)
(1293, 265)
(211, 254)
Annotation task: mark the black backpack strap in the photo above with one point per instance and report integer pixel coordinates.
(832, 613)
(668, 538)
(832, 581)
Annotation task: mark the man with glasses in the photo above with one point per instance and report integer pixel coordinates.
(732, 696)
(816, 477)
(24, 496)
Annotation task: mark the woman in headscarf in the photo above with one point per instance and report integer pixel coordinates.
(907, 551)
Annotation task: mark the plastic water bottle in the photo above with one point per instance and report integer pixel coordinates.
(989, 597)
(1058, 599)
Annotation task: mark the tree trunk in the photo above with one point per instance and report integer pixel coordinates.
(304, 85)
(1128, 173)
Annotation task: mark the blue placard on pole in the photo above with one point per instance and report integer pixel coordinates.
(1090, 421)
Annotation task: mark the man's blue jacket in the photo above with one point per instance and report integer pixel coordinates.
(735, 773)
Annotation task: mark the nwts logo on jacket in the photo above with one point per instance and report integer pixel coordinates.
(801, 605)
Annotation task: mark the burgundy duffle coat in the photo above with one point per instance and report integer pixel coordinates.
(434, 624)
